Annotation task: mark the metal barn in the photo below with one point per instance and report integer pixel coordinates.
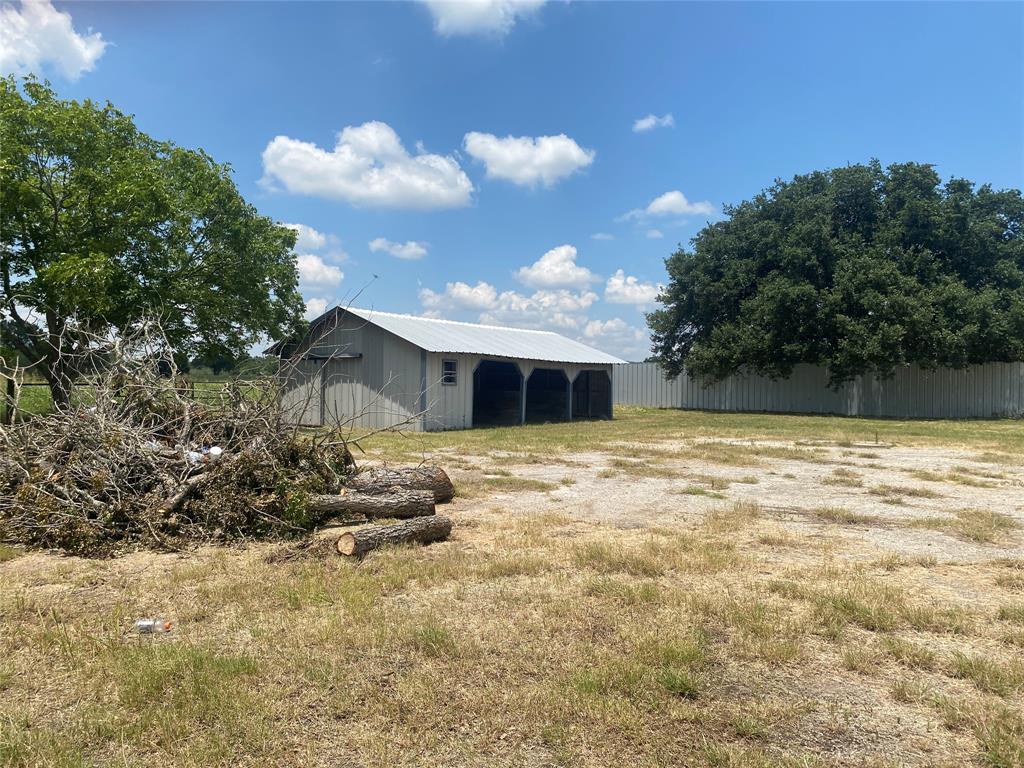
(377, 369)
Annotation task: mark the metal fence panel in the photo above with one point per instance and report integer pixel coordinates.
(993, 390)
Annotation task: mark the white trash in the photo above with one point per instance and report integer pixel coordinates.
(152, 626)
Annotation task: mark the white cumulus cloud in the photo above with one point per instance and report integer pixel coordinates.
(560, 310)
(493, 18)
(37, 37)
(368, 166)
(313, 270)
(672, 203)
(618, 337)
(626, 289)
(460, 295)
(315, 307)
(556, 269)
(651, 122)
(408, 250)
(307, 238)
(602, 236)
(653, 234)
(526, 160)
(675, 202)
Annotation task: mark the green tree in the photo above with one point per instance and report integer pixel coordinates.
(860, 269)
(102, 226)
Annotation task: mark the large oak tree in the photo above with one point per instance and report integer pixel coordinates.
(860, 269)
(102, 226)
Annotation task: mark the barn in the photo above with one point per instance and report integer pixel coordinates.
(374, 369)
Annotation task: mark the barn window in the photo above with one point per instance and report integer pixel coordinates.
(449, 373)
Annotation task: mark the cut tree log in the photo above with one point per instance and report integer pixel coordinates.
(397, 502)
(382, 480)
(420, 529)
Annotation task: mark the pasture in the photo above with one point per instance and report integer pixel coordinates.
(668, 588)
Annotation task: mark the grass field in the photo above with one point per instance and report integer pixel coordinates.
(653, 424)
(35, 397)
(665, 589)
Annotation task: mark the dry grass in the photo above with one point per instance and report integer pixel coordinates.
(729, 634)
(905, 490)
(632, 468)
(847, 478)
(482, 487)
(981, 526)
(909, 653)
(843, 516)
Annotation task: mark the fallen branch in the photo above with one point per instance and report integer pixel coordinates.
(423, 530)
(427, 478)
(397, 503)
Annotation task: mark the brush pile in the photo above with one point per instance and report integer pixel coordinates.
(141, 459)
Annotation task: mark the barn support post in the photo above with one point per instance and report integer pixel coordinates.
(522, 397)
(568, 398)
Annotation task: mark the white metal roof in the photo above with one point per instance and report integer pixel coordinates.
(471, 338)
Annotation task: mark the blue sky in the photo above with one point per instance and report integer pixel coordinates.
(487, 144)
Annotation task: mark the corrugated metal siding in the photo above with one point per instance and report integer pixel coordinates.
(383, 387)
(301, 392)
(376, 390)
(981, 391)
(450, 406)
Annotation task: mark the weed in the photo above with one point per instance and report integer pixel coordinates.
(905, 490)
(843, 516)
(1013, 582)
(738, 516)
(988, 674)
(432, 639)
(908, 653)
(606, 558)
(982, 526)
(858, 658)
(642, 468)
(499, 484)
(909, 690)
(697, 490)
(1012, 613)
(844, 477)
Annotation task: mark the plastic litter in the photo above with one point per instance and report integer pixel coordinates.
(204, 454)
(152, 626)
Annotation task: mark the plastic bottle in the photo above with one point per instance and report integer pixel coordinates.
(151, 626)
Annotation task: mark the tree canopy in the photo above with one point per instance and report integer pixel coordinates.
(102, 226)
(860, 269)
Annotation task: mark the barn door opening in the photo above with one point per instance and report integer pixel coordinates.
(547, 396)
(497, 388)
(592, 395)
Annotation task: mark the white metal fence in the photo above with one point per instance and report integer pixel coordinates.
(980, 391)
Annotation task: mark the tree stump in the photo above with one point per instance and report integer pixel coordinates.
(396, 503)
(420, 529)
(382, 480)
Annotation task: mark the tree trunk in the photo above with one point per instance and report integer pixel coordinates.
(397, 503)
(421, 529)
(56, 376)
(432, 479)
(10, 392)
